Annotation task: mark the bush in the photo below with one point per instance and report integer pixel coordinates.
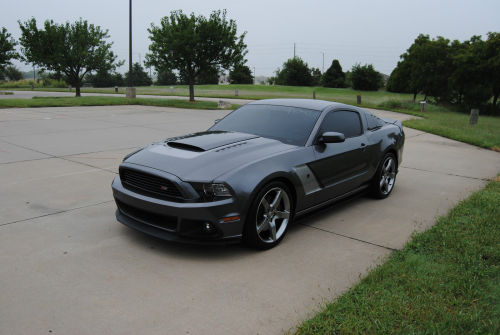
(166, 77)
(295, 72)
(334, 76)
(104, 78)
(366, 78)
(12, 73)
(241, 74)
(139, 77)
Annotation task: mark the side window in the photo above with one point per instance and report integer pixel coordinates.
(345, 122)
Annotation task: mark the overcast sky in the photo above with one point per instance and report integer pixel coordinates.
(361, 31)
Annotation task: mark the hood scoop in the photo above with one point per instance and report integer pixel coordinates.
(208, 140)
(184, 146)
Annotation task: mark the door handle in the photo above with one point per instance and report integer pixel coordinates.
(363, 146)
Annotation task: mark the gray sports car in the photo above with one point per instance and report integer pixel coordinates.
(250, 174)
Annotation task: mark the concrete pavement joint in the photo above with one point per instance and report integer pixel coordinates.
(54, 213)
(349, 237)
(54, 156)
(447, 174)
(422, 133)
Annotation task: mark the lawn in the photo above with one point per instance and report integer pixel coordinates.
(443, 122)
(105, 101)
(445, 281)
(257, 92)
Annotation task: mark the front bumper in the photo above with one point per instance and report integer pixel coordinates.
(178, 221)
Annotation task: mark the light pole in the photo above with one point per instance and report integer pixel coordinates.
(323, 68)
(130, 92)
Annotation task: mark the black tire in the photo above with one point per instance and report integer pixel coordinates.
(385, 178)
(258, 230)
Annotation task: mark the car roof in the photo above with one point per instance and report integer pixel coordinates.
(301, 103)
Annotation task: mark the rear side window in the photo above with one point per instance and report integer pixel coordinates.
(373, 122)
(345, 122)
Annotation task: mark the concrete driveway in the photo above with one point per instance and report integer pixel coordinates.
(67, 267)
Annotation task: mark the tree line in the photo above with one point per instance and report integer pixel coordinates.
(197, 48)
(463, 73)
(190, 49)
(184, 49)
(296, 72)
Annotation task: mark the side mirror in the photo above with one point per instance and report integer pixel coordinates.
(332, 137)
(216, 121)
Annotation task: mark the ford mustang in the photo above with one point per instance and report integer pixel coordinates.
(249, 175)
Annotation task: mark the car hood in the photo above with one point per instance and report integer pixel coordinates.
(204, 156)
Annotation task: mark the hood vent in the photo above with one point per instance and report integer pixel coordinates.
(199, 142)
(184, 146)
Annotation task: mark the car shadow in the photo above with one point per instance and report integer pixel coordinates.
(230, 251)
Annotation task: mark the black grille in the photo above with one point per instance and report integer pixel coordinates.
(158, 220)
(149, 184)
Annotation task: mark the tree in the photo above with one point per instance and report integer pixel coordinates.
(13, 73)
(166, 77)
(207, 76)
(7, 49)
(315, 76)
(334, 76)
(399, 80)
(103, 78)
(192, 44)
(295, 72)
(73, 49)
(365, 78)
(241, 74)
(467, 81)
(138, 77)
(492, 62)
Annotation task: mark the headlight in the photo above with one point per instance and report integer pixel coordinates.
(216, 190)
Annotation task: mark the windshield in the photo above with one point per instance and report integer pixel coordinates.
(289, 125)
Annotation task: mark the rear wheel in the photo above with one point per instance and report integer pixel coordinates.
(270, 214)
(385, 177)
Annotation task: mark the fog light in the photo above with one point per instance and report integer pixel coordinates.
(208, 227)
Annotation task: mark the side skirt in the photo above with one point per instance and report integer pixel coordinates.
(328, 202)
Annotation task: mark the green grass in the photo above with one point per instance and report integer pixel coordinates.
(445, 281)
(443, 122)
(257, 92)
(105, 101)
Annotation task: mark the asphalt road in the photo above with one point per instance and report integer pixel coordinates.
(67, 267)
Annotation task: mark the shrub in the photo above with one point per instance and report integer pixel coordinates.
(365, 78)
(295, 72)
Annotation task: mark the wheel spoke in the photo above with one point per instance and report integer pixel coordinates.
(263, 226)
(282, 215)
(388, 165)
(382, 182)
(265, 203)
(272, 228)
(277, 199)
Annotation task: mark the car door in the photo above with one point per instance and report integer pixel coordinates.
(340, 167)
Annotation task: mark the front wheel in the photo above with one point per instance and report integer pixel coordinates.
(269, 216)
(385, 177)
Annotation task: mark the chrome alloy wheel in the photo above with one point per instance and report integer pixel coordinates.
(387, 175)
(273, 215)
